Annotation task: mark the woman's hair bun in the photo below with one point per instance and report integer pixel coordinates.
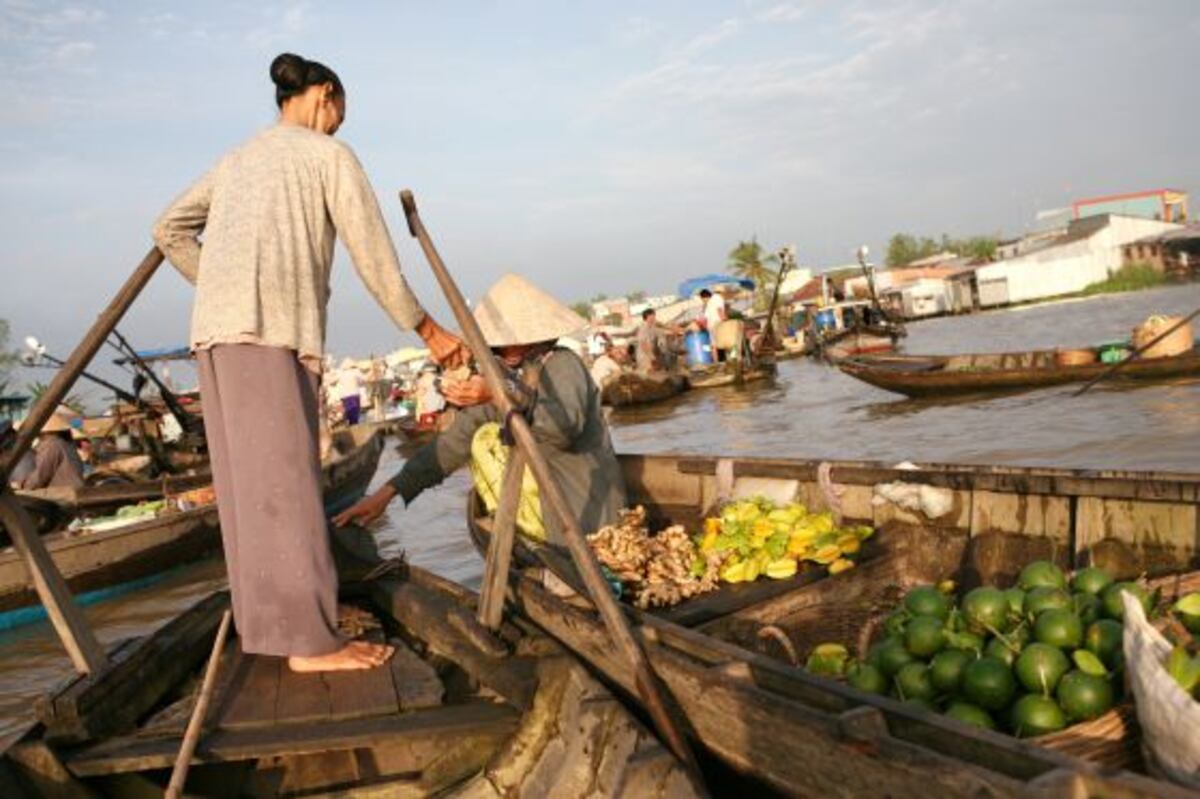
(289, 72)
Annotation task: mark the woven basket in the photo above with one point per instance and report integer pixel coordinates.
(1112, 740)
(1179, 342)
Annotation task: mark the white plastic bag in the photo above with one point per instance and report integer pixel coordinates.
(1169, 717)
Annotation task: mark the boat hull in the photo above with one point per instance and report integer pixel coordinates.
(633, 388)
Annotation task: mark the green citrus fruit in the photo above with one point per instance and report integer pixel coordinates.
(1091, 580)
(985, 609)
(912, 682)
(1035, 715)
(1042, 572)
(1040, 667)
(1060, 628)
(924, 636)
(867, 678)
(1111, 597)
(1000, 651)
(1084, 696)
(892, 656)
(1087, 607)
(926, 600)
(1045, 598)
(1016, 601)
(946, 669)
(1103, 639)
(989, 683)
(970, 714)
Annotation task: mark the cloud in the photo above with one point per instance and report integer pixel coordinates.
(635, 30)
(709, 39)
(281, 25)
(782, 12)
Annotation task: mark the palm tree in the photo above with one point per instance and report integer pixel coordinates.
(747, 260)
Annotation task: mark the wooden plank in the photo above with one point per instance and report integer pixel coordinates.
(304, 697)
(85, 651)
(442, 724)
(1156, 535)
(1033, 515)
(500, 546)
(414, 681)
(112, 700)
(252, 693)
(426, 614)
(361, 693)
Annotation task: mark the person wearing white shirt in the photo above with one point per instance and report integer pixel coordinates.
(714, 310)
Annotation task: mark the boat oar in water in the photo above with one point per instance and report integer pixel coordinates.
(1116, 366)
(191, 736)
(650, 688)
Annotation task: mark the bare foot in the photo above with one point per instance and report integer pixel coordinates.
(353, 656)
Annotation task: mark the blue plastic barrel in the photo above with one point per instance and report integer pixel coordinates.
(826, 319)
(699, 347)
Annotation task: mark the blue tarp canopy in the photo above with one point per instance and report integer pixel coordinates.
(161, 354)
(692, 285)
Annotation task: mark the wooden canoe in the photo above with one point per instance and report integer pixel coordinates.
(457, 712)
(101, 564)
(945, 375)
(726, 374)
(803, 735)
(635, 388)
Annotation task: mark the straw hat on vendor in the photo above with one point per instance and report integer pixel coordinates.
(57, 462)
(521, 323)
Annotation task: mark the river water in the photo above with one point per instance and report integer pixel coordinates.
(809, 411)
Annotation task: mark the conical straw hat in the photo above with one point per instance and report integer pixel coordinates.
(60, 420)
(514, 311)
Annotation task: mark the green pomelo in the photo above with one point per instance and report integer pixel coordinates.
(1042, 572)
(867, 678)
(894, 624)
(1087, 607)
(1084, 696)
(966, 641)
(1060, 628)
(1112, 599)
(1034, 715)
(1103, 639)
(971, 714)
(946, 669)
(1091, 580)
(1046, 598)
(924, 636)
(926, 600)
(892, 656)
(1040, 667)
(985, 609)
(912, 682)
(1000, 651)
(924, 704)
(989, 683)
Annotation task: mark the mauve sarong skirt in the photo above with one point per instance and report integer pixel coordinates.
(260, 418)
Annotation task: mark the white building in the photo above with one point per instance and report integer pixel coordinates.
(1088, 252)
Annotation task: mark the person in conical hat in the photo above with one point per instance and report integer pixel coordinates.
(521, 323)
(56, 462)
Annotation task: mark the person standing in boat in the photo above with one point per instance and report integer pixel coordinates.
(521, 324)
(28, 462)
(655, 350)
(270, 211)
(56, 461)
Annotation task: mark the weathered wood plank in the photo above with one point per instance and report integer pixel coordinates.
(112, 700)
(361, 693)
(426, 613)
(304, 697)
(250, 697)
(1159, 535)
(1034, 515)
(442, 725)
(415, 682)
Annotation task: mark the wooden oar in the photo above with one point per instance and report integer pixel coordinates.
(650, 689)
(191, 736)
(1113, 369)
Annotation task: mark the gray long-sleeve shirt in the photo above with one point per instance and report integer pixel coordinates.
(270, 212)
(567, 421)
(57, 463)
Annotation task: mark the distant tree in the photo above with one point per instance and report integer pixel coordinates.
(8, 358)
(601, 297)
(583, 308)
(37, 388)
(636, 296)
(904, 248)
(749, 260)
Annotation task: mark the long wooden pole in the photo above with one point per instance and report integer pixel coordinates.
(649, 687)
(495, 573)
(1116, 366)
(72, 628)
(191, 735)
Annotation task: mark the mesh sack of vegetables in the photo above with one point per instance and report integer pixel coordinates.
(1168, 715)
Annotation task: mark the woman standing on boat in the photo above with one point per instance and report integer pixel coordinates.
(270, 211)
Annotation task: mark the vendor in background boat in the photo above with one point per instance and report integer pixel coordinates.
(610, 364)
(715, 311)
(56, 463)
(521, 324)
(655, 345)
(270, 213)
(25, 466)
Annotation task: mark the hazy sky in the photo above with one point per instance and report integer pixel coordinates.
(591, 146)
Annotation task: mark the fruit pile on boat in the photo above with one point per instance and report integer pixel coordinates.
(749, 539)
(1029, 660)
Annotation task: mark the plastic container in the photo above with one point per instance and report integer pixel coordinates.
(1113, 351)
(1074, 357)
(699, 348)
(826, 319)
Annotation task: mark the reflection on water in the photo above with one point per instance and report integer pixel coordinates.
(808, 411)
